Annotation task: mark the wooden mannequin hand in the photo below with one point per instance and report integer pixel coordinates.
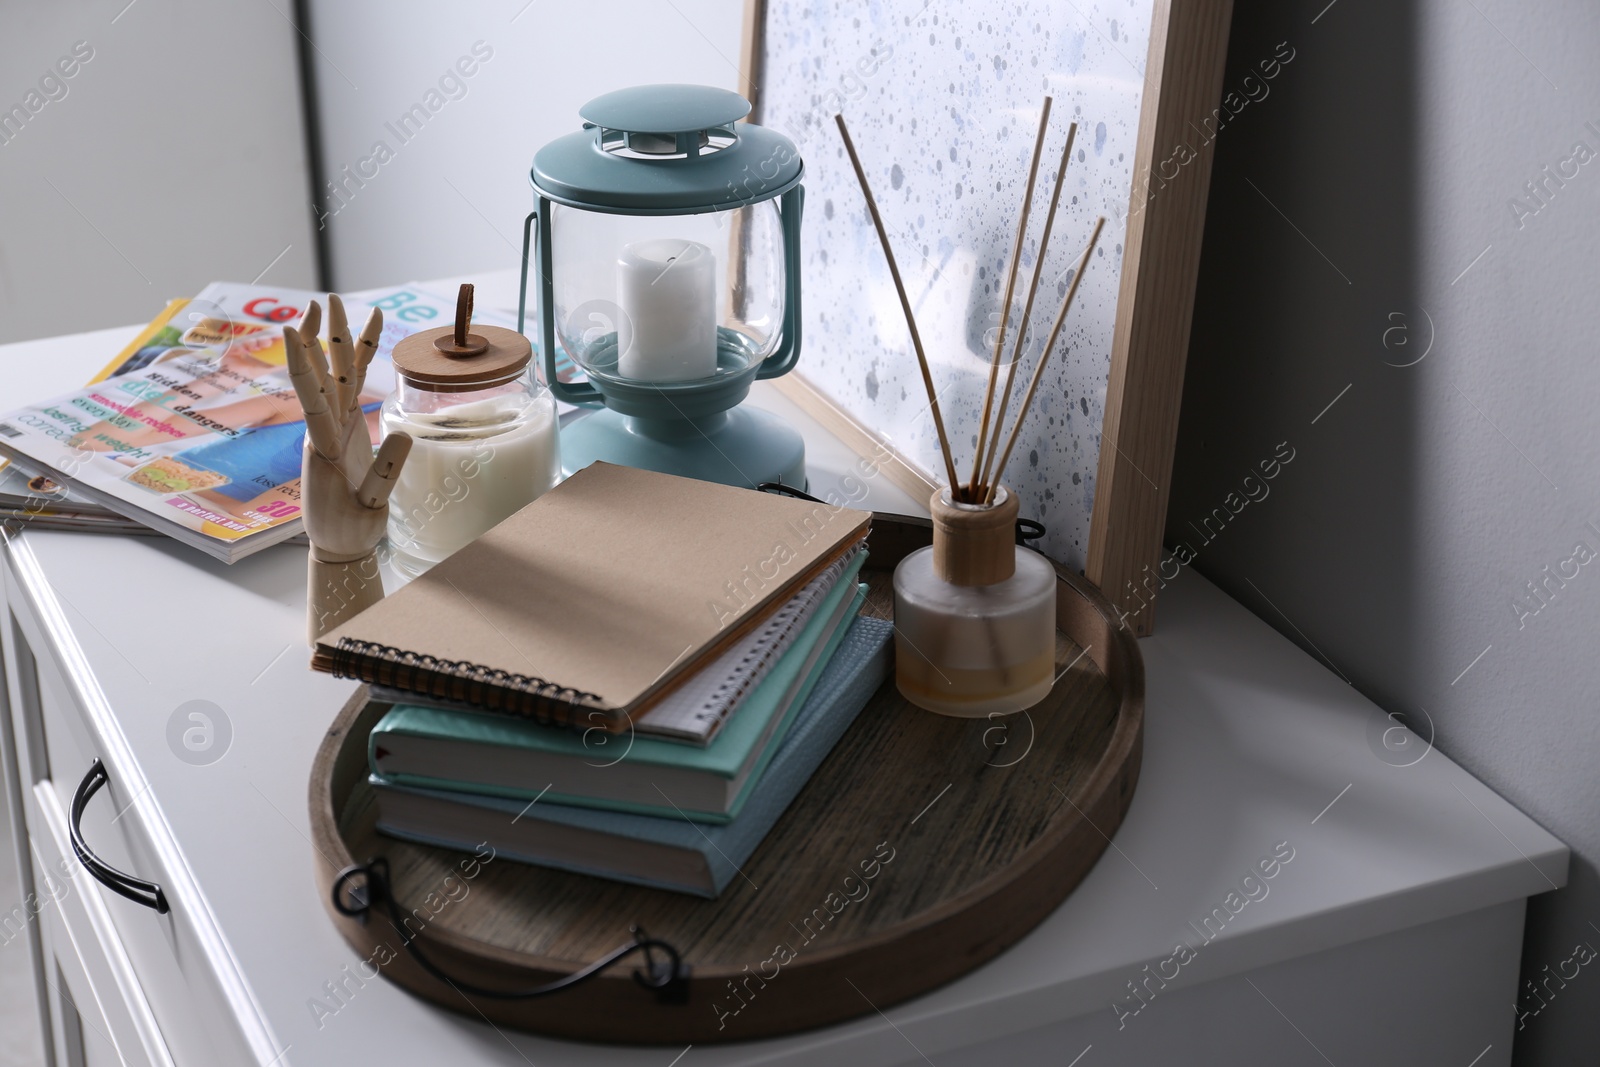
(346, 496)
(344, 489)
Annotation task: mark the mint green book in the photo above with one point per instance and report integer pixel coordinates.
(672, 854)
(494, 755)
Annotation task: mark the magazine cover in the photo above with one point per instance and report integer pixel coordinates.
(195, 428)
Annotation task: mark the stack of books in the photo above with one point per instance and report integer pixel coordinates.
(632, 677)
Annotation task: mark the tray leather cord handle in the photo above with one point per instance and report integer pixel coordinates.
(135, 889)
(362, 886)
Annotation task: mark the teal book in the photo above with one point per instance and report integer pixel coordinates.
(497, 755)
(664, 853)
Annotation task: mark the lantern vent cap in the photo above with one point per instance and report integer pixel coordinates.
(665, 109)
(666, 150)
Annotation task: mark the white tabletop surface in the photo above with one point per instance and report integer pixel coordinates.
(1249, 742)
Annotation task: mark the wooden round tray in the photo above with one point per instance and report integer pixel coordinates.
(972, 831)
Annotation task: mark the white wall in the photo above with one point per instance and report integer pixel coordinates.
(451, 197)
(1418, 507)
(174, 156)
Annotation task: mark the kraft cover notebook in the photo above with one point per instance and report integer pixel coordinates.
(696, 710)
(589, 604)
(671, 854)
(499, 756)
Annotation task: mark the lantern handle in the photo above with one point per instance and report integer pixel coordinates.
(782, 361)
(571, 392)
(522, 291)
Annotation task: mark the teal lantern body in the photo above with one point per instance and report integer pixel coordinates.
(668, 270)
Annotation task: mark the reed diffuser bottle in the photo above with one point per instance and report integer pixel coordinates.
(975, 614)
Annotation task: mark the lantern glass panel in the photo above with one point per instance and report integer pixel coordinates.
(667, 298)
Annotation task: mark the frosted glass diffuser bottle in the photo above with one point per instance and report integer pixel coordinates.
(974, 614)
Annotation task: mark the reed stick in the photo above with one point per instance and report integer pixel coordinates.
(1044, 357)
(1027, 309)
(905, 304)
(1005, 301)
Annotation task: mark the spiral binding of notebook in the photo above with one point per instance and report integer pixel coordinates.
(697, 709)
(458, 681)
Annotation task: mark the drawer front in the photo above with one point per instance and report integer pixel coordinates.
(77, 1038)
(112, 831)
(192, 1014)
(68, 752)
(155, 944)
(110, 823)
(90, 957)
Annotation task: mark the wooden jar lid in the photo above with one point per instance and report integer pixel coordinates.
(450, 359)
(974, 545)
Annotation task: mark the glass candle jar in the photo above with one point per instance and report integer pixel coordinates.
(484, 439)
(974, 614)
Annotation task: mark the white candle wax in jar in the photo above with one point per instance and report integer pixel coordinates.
(471, 466)
(668, 328)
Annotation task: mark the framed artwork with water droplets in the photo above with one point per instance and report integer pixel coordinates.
(943, 101)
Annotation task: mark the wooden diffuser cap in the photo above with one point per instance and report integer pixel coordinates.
(974, 544)
(450, 359)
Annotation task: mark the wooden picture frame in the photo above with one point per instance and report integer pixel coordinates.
(1155, 301)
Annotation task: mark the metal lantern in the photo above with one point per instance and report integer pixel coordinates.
(668, 238)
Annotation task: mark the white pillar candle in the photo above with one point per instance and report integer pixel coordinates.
(668, 328)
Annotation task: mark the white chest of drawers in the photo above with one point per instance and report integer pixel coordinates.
(1402, 907)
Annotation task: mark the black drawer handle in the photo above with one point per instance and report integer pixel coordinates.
(135, 889)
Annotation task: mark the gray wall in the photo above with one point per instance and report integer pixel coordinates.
(1349, 210)
(175, 155)
(450, 194)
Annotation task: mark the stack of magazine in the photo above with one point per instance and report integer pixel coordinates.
(31, 499)
(28, 499)
(193, 430)
(636, 701)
